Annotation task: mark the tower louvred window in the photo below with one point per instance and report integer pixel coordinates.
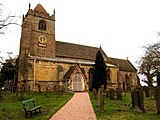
(42, 25)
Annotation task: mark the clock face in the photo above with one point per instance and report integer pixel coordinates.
(42, 41)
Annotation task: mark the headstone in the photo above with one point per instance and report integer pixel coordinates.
(146, 90)
(39, 88)
(119, 93)
(138, 99)
(152, 93)
(107, 92)
(111, 94)
(157, 96)
(94, 93)
(141, 99)
(134, 98)
(101, 107)
(99, 96)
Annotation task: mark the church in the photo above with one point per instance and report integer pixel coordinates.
(46, 64)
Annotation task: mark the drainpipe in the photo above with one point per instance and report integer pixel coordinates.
(34, 71)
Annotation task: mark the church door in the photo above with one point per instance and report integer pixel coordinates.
(78, 82)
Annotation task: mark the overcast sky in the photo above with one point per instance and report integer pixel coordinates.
(121, 27)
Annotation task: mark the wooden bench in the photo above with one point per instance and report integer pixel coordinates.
(30, 107)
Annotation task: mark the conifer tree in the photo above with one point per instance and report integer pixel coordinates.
(99, 76)
(158, 80)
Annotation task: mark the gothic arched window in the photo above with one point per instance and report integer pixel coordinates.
(42, 25)
(130, 78)
(126, 78)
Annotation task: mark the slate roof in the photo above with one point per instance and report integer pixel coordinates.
(70, 50)
(75, 51)
(124, 65)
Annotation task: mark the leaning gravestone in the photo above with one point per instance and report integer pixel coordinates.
(138, 99)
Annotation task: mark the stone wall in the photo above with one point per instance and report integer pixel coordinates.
(48, 50)
(29, 43)
(113, 77)
(44, 85)
(44, 73)
(51, 73)
(132, 78)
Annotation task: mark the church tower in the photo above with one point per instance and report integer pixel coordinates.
(38, 33)
(37, 37)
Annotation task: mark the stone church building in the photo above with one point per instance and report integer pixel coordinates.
(48, 64)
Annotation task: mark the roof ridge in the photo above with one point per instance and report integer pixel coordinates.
(119, 58)
(78, 44)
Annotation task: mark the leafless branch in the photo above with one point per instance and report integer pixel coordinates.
(8, 20)
(150, 62)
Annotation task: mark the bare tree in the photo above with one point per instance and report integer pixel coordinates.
(150, 63)
(7, 19)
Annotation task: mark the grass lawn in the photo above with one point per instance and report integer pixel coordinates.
(12, 109)
(121, 110)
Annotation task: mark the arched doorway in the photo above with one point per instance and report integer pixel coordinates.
(78, 82)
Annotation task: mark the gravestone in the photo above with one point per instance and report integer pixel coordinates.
(157, 97)
(107, 92)
(111, 94)
(119, 93)
(146, 90)
(101, 99)
(94, 93)
(152, 93)
(138, 98)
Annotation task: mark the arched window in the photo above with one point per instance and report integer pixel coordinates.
(127, 82)
(42, 25)
(130, 78)
(126, 78)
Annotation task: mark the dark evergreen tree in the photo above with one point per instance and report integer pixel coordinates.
(99, 76)
(158, 80)
(8, 71)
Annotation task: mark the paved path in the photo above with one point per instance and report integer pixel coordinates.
(79, 107)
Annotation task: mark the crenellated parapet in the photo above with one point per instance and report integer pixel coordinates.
(39, 11)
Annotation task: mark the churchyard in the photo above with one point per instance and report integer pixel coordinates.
(11, 107)
(122, 109)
